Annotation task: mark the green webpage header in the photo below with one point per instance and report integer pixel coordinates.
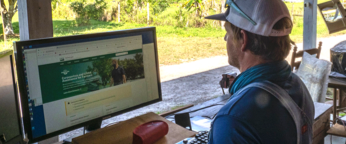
(70, 78)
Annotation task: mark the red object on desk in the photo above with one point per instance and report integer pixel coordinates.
(150, 132)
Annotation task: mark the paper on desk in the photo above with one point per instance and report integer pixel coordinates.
(199, 123)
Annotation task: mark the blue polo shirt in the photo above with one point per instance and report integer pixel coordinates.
(258, 117)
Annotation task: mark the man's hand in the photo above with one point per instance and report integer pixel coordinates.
(227, 79)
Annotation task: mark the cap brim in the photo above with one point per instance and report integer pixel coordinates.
(221, 17)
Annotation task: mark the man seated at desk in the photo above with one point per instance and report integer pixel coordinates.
(269, 103)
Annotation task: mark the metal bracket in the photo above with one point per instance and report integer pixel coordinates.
(307, 4)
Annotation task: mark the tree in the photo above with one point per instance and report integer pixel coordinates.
(88, 11)
(104, 67)
(134, 68)
(159, 6)
(7, 15)
(197, 5)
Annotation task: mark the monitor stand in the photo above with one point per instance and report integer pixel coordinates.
(93, 126)
(89, 128)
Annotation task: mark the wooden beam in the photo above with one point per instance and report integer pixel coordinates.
(35, 19)
(310, 24)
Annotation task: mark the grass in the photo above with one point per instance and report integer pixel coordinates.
(175, 45)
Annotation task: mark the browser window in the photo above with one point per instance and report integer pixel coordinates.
(72, 83)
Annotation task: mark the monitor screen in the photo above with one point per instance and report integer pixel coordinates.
(69, 81)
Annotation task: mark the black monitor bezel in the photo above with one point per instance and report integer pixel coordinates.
(21, 79)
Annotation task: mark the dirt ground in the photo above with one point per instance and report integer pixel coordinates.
(196, 82)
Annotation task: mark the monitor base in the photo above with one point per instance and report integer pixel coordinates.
(93, 126)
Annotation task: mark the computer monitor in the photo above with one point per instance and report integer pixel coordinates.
(70, 82)
(10, 123)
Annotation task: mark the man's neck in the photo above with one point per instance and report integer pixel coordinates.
(249, 61)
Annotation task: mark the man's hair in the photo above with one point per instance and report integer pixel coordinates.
(268, 47)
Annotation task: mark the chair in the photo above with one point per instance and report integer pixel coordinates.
(304, 74)
(299, 54)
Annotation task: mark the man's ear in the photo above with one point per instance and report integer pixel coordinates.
(244, 40)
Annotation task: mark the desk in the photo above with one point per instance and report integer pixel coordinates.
(320, 126)
(121, 133)
(336, 83)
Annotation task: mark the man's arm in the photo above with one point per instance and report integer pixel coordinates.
(124, 76)
(124, 79)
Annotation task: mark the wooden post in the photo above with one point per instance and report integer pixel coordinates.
(310, 24)
(35, 19)
(118, 11)
(148, 14)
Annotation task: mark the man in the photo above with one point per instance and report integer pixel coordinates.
(118, 74)
(269, 103)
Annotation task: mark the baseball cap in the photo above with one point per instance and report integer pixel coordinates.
(255, 16)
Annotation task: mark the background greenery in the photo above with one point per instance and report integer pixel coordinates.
(183, 34)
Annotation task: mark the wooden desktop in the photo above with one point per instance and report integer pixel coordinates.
(122, 131)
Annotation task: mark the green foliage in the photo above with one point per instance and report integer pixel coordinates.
(88, 11)
(158, 6)
(63, 11)
(196, 5)
(167, 17)
(182, 36)
(128, 6)
(134, 68)
(104, 67)
(181, 18)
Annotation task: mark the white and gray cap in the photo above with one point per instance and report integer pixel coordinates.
(255, 16)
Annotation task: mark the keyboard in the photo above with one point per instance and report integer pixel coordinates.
(200, 138)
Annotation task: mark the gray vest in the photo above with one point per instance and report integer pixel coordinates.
(302, 122)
